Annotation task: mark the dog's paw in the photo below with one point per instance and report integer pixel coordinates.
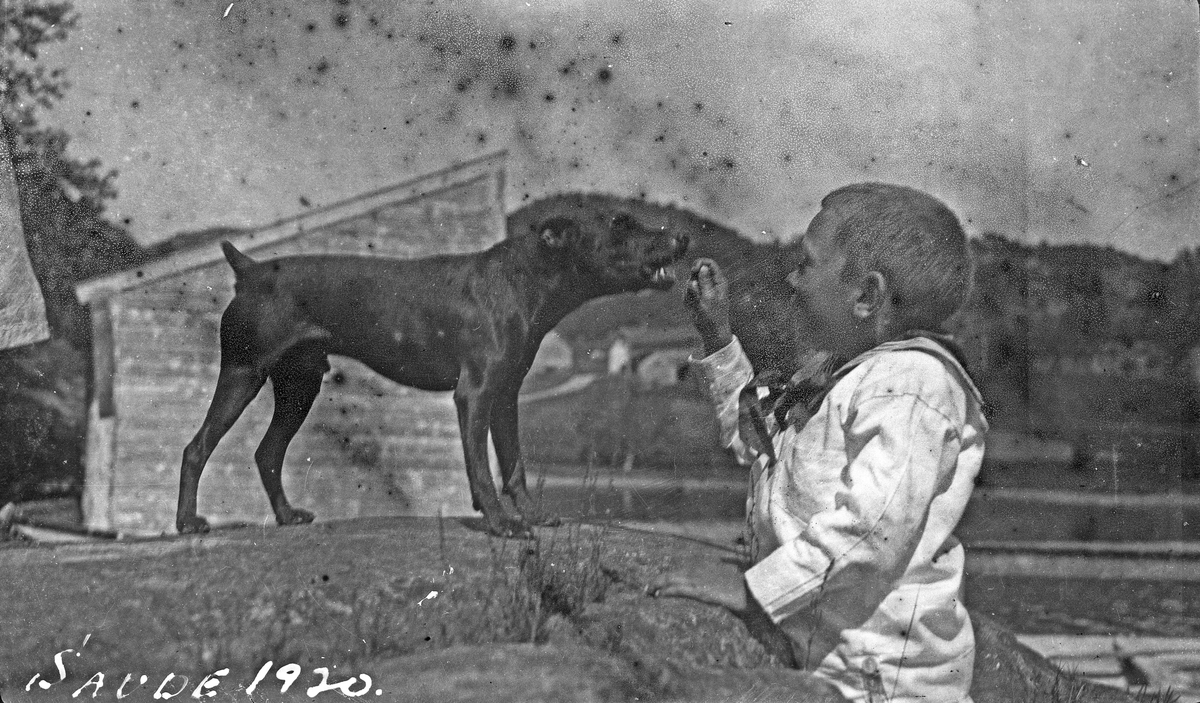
(194, 525)
(294, 516)
(509, 526)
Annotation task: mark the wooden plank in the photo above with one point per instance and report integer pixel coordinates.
(980, 562)
(1060, 497)
(99, 469)
(1166, 549)
(103, 356)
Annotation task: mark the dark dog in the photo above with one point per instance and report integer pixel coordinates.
(468, 323)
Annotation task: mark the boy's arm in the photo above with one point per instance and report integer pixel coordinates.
(723, 374)
(724, 370)
(902, 451)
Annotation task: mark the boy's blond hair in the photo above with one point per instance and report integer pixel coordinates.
(910, 237)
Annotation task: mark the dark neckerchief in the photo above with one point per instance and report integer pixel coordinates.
(795, 401)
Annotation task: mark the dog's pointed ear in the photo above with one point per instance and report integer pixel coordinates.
(555, 231)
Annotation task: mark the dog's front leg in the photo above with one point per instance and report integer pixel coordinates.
(506, 437)
(474, 399)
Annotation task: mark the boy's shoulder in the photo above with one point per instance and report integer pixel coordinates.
(912, 368)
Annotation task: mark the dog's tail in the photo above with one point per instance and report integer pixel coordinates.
(238, 261)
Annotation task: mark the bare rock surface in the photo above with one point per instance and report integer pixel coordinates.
(428, 609)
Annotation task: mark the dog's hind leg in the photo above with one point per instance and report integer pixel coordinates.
(296, 381)
(236, 387)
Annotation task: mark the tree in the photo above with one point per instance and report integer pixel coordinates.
(62, 198)
(44, 387)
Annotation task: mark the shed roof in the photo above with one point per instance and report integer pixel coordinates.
(204, 254)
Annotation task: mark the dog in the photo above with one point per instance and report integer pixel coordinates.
(467, 323)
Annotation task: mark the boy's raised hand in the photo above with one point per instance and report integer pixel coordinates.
(707, 298)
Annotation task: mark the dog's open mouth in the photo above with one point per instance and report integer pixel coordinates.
(660, 275)
(658, 258)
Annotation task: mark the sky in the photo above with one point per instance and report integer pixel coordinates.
(1067, 122)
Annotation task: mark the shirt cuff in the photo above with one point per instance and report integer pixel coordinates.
(725, 371)
(782, 581)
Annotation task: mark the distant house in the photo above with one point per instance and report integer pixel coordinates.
(664, 367)
(554, 355)
(368, 447)
(658, 357)
(1138, 360)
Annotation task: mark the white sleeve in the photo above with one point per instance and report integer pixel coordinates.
(724, 374)
(899, 450)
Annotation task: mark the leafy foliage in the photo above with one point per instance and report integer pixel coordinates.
(62, 212)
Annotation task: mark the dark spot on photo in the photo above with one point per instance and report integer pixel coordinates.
(305, 202)
(615, 39)
(698, 106)
(604, 75)
(508, 42)
(341, 20)
(508, 85)
(311, 27)
(135, 104)
(549, 97)
(322, 65)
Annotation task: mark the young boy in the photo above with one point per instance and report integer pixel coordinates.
(851, 510)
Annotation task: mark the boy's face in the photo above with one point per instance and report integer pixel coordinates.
(825, 302)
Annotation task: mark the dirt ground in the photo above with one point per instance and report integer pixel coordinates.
(429, 610)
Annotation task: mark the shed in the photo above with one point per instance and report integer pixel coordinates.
(369, 446)
(554, 355)
(657, 356)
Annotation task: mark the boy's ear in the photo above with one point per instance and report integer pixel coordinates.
(873, 295)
